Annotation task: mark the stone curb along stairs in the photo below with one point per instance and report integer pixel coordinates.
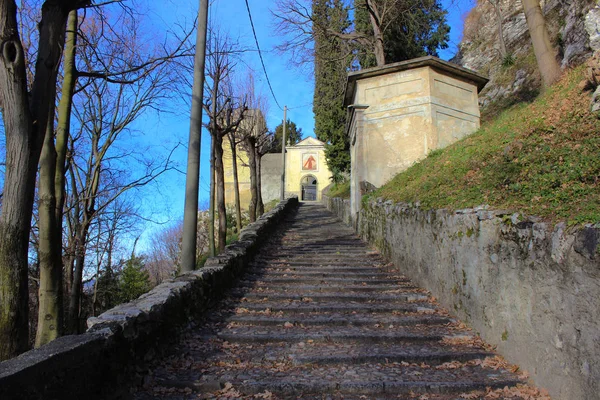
(94, 364)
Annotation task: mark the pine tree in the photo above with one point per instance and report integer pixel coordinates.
(332, 62)
(135, 280)
(293, 135)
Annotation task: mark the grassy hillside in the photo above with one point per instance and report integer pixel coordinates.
(541, 158)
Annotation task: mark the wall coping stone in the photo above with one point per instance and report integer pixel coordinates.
(103, 360)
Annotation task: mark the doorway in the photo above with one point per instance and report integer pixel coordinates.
(309, 188)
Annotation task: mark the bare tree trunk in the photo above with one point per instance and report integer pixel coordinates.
(50, 247)
(64, 117)
(501, 41)
(377, 34)
(19, 182)
(190, 218)
(211, 203)
(220, 178)
(99, 258)
(250, 143)
(51, 201)
(25, 115)
(76, 288)
(95, 296)
(542, 47)
(236, 184)
(260, 207)
(69, 266)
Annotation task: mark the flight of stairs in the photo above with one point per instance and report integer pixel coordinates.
(320, 315)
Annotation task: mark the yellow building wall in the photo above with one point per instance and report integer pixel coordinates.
(296, 168)
(243, 176)
(409, 114)
(296, 156)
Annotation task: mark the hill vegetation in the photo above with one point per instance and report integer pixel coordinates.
(540, 159)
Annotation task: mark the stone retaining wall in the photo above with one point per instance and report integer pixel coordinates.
(531, 288)
(95, 364)
(340, 207)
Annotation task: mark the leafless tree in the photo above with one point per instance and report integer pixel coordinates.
(164, 257)
(115, 222)
(225, 110)
(234, 141)
(26, 108)
(496, 5)
(545, 54)
(100, 170)
(253, 132)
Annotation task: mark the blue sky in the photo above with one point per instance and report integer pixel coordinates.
(291, 86)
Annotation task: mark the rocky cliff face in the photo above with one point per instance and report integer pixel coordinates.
(515, 77)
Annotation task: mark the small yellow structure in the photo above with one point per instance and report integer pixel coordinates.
(400, 112)
(306, 173)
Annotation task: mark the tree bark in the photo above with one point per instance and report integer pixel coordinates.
(50, 246)
(236, 184)
(192, 180)
(378, 48)
(220, 178)
(542, 47)
(73, 227)
(211, 202)
(51, 201)
(496, 5)
(73, 324)
(260, 207)
(25, 121)
(64, 116)
(17, 200)
(250, 144)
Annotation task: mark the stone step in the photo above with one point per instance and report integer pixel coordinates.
(346, 308)
(391, 379)
(328, 288)
(429, 357)
(356, 385)
(310, 266)
(249, 279)
(303, 262)
(315, 259)
(295, 335)
(265, 269)
(367, 275)
(320, 249)
(334, 297)
(338, 320)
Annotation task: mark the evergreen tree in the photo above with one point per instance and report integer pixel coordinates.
(293, 135)
(108, 292)
(135, 281)
(413, 30)
(332, 62)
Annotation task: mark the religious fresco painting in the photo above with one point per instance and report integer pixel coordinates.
(310, 162)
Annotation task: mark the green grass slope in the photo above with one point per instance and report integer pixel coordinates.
(541, 158)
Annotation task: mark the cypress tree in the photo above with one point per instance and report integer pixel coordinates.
(332, 61)
(293, 135)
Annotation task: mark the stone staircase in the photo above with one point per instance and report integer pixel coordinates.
(319, 315)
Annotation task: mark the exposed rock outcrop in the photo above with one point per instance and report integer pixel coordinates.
(514, 77)
(592, 27)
